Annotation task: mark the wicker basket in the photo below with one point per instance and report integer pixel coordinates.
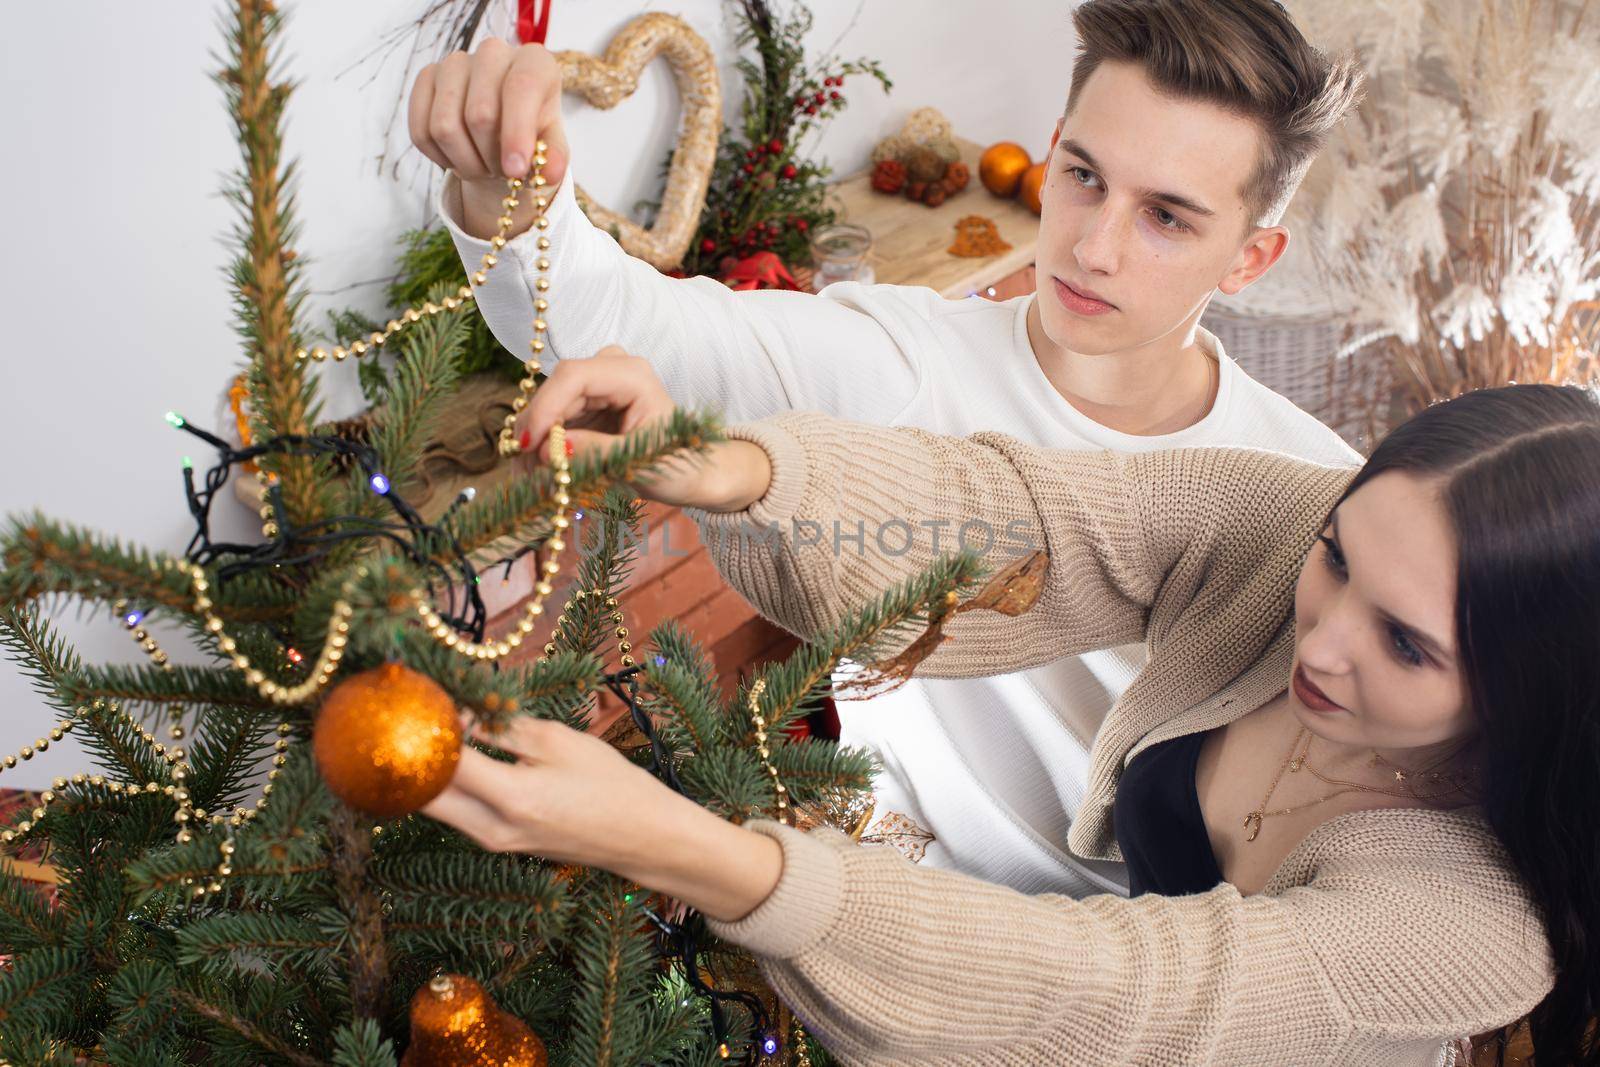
(1286, 331)
(1294, 356)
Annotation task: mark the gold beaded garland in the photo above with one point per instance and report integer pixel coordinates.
(140, 635)
(58, 731)
(507, 443)
(760, 723)
(376, 339)
(621, 632)
(802, 1056)
(183, 817)
(497, 648)
(327, 660)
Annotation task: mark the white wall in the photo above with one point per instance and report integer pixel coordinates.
(111, 270)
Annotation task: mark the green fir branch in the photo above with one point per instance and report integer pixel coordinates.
(522, 508)
(240, 1030)
(430, 262)
(40, 992)
(226, 751)
(44, 557)
(482, 899)
(360, 1043)
(677, 1031)
(607, 554)
(819, 774)
(539, 992)
(681, 693)
(288, 840)
(795, 687)
(279, 857)
(729, 781)
(245, 943)
(266, 273)
(425, 376)
(26, 923)
(160, 687)
(144, 1025)
(612, 953)
(115, 739)
(41, 653)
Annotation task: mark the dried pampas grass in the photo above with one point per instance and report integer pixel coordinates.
(1458, 214)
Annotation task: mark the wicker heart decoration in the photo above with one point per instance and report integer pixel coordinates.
(604, 81)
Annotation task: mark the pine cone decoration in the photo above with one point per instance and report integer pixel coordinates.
(956, 177)
(916, 190)
(924, 165)
(935, 194)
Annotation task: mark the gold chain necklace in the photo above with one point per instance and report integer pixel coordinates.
(1294, 763)
(1429, 772)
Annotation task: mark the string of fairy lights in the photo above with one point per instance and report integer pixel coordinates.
(457, 626)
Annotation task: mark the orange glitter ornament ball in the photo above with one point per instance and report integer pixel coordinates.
(387, 740)
(454, 1023)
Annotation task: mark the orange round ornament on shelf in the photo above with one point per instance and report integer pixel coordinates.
(1032, 185)
(454, 1023)
(387, 740)
(1001, 167)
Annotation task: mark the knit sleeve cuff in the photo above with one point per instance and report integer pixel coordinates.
(806, 903)
(790, 477)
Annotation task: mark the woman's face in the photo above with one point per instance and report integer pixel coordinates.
(1375, 618)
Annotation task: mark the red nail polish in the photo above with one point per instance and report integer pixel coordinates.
(526, 440)
(570, 449)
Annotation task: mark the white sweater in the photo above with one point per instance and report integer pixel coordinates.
(993, 768)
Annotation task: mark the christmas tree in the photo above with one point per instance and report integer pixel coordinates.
(241, 880)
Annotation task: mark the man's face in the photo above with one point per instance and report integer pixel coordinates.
(1143, 214)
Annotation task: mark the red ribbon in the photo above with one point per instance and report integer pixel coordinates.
(764, 270)
(529, 29)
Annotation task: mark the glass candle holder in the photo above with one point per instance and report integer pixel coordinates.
(839, 253)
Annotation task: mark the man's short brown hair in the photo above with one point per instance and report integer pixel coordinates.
(1245, 56)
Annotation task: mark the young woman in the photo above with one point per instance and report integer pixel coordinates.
(1355, 783)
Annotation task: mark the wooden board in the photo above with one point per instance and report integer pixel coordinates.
(909, 240)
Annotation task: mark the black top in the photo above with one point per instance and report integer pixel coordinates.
(1156, 817)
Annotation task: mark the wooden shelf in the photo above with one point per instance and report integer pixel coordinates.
(909, 240)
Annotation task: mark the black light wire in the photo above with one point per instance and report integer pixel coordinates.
(412, 534)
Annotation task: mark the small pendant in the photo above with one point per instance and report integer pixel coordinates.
(1399, 776)
(1252, 822)
(1296, 763)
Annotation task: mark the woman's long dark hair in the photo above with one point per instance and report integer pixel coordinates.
(1519, 469)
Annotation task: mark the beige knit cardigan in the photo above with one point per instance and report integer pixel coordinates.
(1383, 937)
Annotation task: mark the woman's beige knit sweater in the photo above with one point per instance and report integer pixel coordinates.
(1384, 936)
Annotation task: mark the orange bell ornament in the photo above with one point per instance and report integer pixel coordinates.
(454, 1023)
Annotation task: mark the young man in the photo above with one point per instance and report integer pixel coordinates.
(1188, 126)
